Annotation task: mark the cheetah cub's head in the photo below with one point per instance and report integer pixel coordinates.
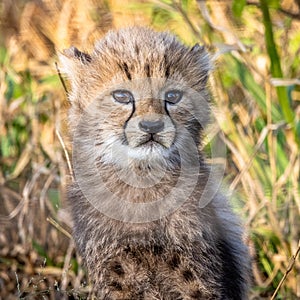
(140, 93)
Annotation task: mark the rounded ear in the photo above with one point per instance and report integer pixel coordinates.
(72, 60)
(197, 48)
(204, 61)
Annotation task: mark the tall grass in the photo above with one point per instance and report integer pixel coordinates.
(256, 95)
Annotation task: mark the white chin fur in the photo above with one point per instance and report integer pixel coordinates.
(114, 152)
(145, 152)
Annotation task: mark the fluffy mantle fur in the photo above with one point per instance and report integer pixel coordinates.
(193, 252)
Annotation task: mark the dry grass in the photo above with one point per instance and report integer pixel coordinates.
(37, 256)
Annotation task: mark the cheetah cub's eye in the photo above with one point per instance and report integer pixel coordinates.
(173, 96)
(122, 96)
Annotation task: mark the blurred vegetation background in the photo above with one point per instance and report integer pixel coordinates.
(256, 94)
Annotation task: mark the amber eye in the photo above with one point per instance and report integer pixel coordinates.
(122, 96)
(173, 96)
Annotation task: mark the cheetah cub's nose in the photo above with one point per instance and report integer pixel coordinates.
(151, 126)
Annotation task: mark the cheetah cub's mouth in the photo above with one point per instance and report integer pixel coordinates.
(151, 141)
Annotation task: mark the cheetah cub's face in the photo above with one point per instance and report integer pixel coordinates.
(139, 92)
(149, 126)
(148, 120)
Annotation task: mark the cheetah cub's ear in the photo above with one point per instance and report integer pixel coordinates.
(204, 62)
(197, 48)
(72, 63)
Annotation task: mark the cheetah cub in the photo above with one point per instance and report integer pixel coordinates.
(149, 220)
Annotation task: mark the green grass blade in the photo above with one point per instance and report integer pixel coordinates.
(276, 70)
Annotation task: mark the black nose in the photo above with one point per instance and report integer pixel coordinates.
(151, 126)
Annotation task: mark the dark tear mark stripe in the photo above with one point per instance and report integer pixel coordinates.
(125, 124)
(132, 112)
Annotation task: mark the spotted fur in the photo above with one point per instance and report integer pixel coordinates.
(193, 252)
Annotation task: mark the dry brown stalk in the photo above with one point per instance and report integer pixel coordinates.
(59, 227)
(66, 153)
(288, 270)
